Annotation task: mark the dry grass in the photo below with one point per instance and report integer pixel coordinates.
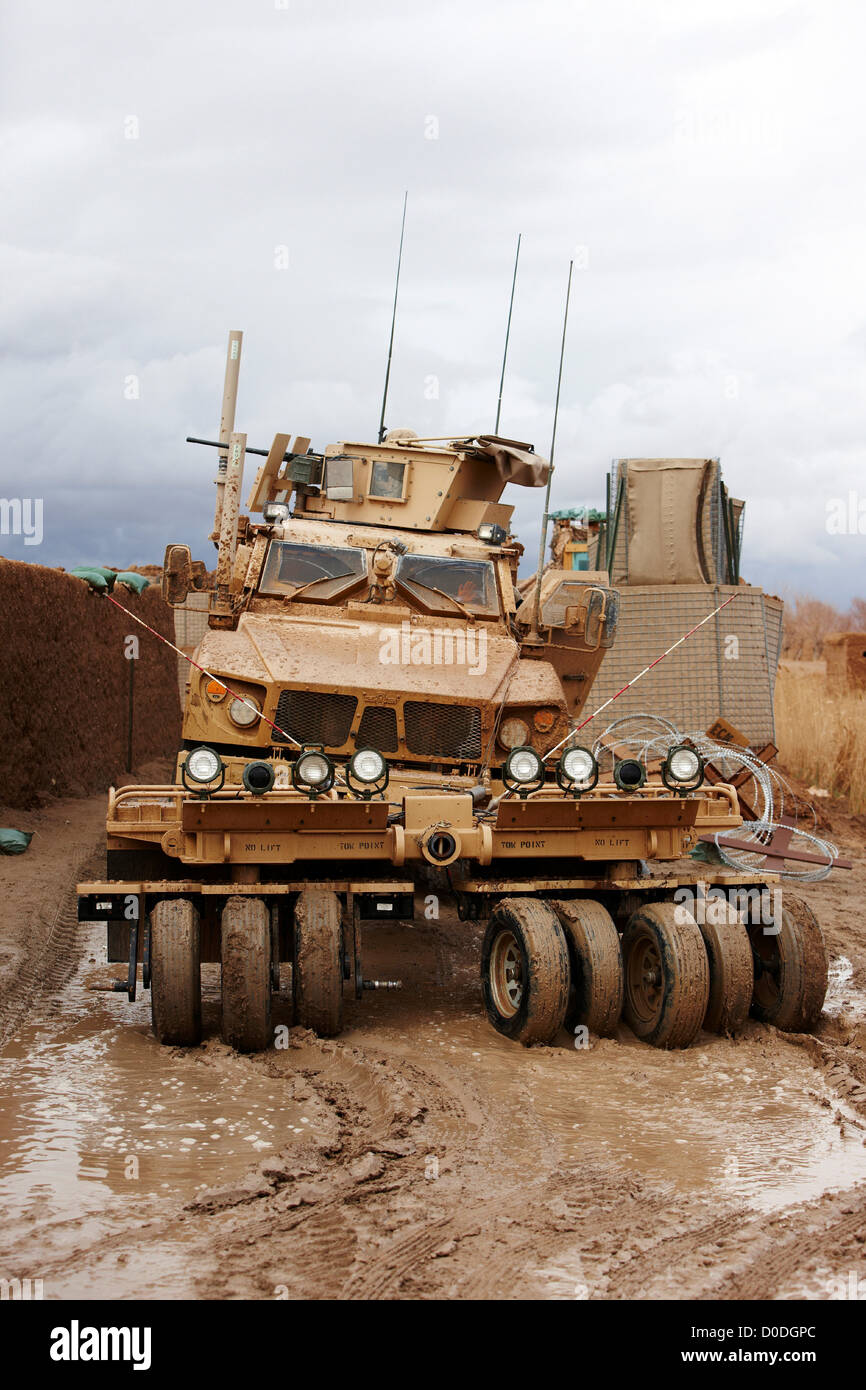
(821, 737)
(808, 621)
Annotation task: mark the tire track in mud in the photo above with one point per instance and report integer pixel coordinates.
(778, 1265)
(53, 952)
(638, 1276)
(340, 1209)
(363, 1239)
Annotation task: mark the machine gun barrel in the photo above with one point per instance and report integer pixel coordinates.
(217, 444)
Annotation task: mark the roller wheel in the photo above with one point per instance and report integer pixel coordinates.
(317, 974)
(525, 971)
(790, 963)
(729, 953)
(596, 965)
(175, 972)
(667, 975)
(246, 974)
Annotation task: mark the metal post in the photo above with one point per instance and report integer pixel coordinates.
(131, 664)
(227, 421)
(229, 528)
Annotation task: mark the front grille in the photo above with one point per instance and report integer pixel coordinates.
(378, 729)
(442, 731)
(315, 716)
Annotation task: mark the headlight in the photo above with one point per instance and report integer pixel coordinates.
(203, 766)
(577, 770)
(683, 769)
(513, 733)
(492, 534)
(629, 774)
(368, 765)
(313, 771)
(244, 712)
(367, 772)
(275, 512)
(544, 720)
(523, 770)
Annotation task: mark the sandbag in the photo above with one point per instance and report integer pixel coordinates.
(94, 577)
(14, 841)
(136, 582)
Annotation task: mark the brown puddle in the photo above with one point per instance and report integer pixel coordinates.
(95, 1114)
(753, 1121)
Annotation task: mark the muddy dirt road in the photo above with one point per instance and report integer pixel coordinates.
(420, 1155)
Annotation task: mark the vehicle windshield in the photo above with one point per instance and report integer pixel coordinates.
(472, 583)
(317, 572)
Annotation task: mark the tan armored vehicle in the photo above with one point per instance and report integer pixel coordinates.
(374, 715)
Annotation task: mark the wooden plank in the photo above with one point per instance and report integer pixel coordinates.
(774, 853)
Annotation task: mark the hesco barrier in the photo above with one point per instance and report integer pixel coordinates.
(64, 684)
(727, 668)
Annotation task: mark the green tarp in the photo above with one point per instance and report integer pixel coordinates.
(14, 841)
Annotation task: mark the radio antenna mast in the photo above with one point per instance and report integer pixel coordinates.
(532, 635)
(393, 322)
(507, 335)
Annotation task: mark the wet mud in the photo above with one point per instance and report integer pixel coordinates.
(420, 1154)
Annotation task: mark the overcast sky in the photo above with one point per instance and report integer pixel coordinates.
(172, 171)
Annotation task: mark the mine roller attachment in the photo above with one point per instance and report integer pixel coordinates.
(729, 953)
(596, 965)
(667, 975)
(175, 972)
(246, 980)
(317, 964)
(525, 971)
(790, 964)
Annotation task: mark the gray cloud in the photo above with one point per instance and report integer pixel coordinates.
(703, 163)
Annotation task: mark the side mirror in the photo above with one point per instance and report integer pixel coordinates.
(180, 573)
(601, 618)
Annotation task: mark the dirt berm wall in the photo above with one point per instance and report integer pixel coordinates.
(64, 685)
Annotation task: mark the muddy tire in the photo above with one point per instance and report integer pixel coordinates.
(596, 965)
(732, 974)
(245, 950)
(790, 969)
(525, 971)
(317, 964)
(667, 975)
(175, 972)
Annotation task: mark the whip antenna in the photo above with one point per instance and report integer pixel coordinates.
(533, 633)
(507, 336)
(393, 322)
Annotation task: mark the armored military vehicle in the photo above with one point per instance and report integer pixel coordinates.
(374, 713)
